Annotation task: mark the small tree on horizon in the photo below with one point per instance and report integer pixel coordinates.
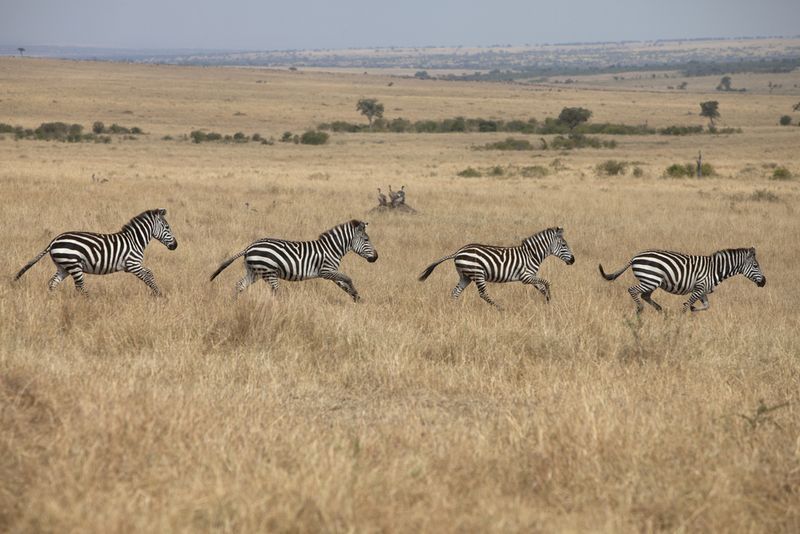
(710, 110)
(370, 108)
(21, 50)
(574, 116)
(724, 84)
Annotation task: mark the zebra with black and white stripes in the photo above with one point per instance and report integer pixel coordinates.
(272, 259)
(489, 263)
(79, 253)
(683, 274)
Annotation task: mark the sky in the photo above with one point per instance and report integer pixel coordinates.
(305, 24)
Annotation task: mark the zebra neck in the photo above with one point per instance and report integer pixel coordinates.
(335, 246)
(537, 252)
(725, 267)
(138, 233)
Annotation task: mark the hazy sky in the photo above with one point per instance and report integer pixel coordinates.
(267, 24)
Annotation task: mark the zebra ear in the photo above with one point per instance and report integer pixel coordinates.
(751, 252)
(559, 231)
(162, 212)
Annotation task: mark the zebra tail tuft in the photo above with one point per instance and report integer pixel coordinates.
(429, 269)
(32, 262)
(614, 275)
(226, 263)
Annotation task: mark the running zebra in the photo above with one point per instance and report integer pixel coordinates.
(271, 259)
(79, 253)
(681, 274)
(488, 263)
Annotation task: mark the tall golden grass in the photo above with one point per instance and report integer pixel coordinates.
(405, 412)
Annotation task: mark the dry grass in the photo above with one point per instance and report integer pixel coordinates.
(406, 412)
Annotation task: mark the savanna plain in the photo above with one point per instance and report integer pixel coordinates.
(406, 411)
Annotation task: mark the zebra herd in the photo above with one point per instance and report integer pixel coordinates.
(79, 253)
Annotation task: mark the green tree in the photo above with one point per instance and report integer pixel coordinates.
(724, 84)
(370, 108)
(710, 110)
(21, 51)
(785, 120)
(574, 116)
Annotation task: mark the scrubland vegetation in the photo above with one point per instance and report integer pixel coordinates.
(407, 412)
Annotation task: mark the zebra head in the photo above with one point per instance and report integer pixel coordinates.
(360, 243)
(162, 231)
(560, 248)
(752, 270)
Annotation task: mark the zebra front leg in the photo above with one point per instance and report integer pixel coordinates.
(145, 275)
(542, 285)
(343, 281)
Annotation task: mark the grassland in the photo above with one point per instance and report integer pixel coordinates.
(406, 412)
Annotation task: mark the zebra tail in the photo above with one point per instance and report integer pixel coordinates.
(33, 262)
(226, 263)
(615, 275)
(428, 270)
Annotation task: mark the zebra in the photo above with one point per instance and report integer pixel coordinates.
(271, 259)
(488, 263)
(682, 274)
(79, 253)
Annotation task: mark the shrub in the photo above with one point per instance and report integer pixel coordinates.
(286, 137)
(577, 140)
(680, 130)
(167, 138)
(638, 172)
(213, 136)
(239, 137)
(781, 173)
(6, 128)
(510, 144)
(256, 137)
(314, 137)
(762, 195)
(469, 172)
(497, 170)
(198, 136)
(688, 170)
(534, 171)
(785, 120)
(612, 167)
(400, 125)
(136, 130)
(117, 129)
(98, 127)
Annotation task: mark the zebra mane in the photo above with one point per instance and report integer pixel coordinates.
(547, 232)
(144, 215)
(735, 251)
(353, 224)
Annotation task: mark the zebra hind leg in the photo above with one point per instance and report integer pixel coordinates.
(481, 283)
(249, 278)
(272, 280)
(77, 277)
(56, 279)
(650, 301)
(463, 282)
(704, 299)
(636, 292)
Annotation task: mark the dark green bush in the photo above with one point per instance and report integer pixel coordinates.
(785, 120)
(781, 173)
(469, 172)
(509, 144)
(680, 130)
(98, 127)
(286, 137)
(688, 170)
(314, 137)
(612, 167)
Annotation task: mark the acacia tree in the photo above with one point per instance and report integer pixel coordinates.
(796, 107)
(710, 110)
(370, 108)
(574, 116)
(21, 50)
